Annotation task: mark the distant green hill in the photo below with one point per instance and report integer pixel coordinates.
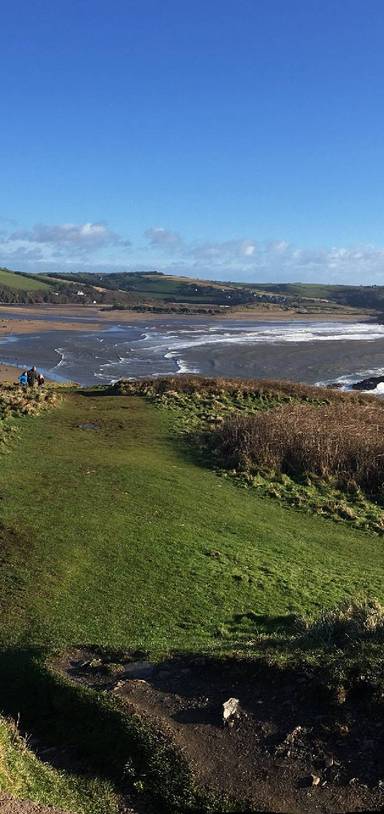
(155, 286)
(19, 287)
(153, 290)
(22, 282)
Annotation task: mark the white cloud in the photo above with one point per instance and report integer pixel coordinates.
(93, 245)
(159, 237)
(70, 236)
(279, 261)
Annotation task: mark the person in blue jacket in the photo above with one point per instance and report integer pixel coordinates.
(23, 379)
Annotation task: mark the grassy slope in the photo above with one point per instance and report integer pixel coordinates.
(152, 287)
(115, 529)
(24, 776)
(20, 282)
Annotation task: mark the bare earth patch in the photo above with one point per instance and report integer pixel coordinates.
(292, 747)
(9, 805)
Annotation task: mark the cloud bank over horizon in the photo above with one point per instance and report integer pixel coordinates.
(94, 246)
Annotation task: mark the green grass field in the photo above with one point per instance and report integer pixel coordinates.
(21, 282)
(116, 536)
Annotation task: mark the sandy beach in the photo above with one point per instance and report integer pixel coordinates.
(8, 374)
(91, 346)
(28, 319)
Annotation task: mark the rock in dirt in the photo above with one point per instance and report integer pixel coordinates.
(314, 780)
(368, 384)
(231, 711)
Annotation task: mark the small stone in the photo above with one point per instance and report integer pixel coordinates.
(328, 761)
(94, 664)
(315, 780)
(230, 711)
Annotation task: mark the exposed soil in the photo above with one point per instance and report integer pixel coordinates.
(9, 805)
(293, 748)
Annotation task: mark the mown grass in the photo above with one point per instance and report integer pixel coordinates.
(117, 536)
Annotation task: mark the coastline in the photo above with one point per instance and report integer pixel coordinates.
(69, 344)
(38, 318)
(9, 374)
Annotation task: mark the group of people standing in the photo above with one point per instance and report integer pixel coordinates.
(31, 378)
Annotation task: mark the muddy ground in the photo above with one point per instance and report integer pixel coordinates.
(294, 746)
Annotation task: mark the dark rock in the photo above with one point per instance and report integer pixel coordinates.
(368, 384)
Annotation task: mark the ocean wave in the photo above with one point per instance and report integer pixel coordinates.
(346, 381)
(61, 361)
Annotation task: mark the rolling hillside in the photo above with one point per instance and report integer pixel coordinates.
(152, 290)
(21, 288)
(155, 287)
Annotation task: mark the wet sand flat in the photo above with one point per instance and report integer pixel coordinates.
(9, 374)
(90, 346)
(309, 362)
(21, 319)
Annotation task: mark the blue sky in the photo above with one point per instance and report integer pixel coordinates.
(240, 139)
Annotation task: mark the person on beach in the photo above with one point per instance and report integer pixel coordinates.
(32, 376)
(23, 378)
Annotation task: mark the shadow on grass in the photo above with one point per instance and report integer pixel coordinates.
(283, 624)
(102, 736)
(97, 733)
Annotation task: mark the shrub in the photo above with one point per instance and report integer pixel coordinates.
(342, 440)
(261, 388)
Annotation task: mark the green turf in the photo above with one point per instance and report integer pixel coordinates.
(21, 282)
(117, 537)
(25, 777)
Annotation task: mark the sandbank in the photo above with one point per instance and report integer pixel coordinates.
(9, 374)
(23, 319)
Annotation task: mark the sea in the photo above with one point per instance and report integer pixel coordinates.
(310, 351)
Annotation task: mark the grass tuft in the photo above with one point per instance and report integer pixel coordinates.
(347, 623)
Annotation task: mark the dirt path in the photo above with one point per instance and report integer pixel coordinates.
(291, 750)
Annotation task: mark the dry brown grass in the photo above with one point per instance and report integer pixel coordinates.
(343, 440)
(16, 401)
(262, 388)
(352, 621)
